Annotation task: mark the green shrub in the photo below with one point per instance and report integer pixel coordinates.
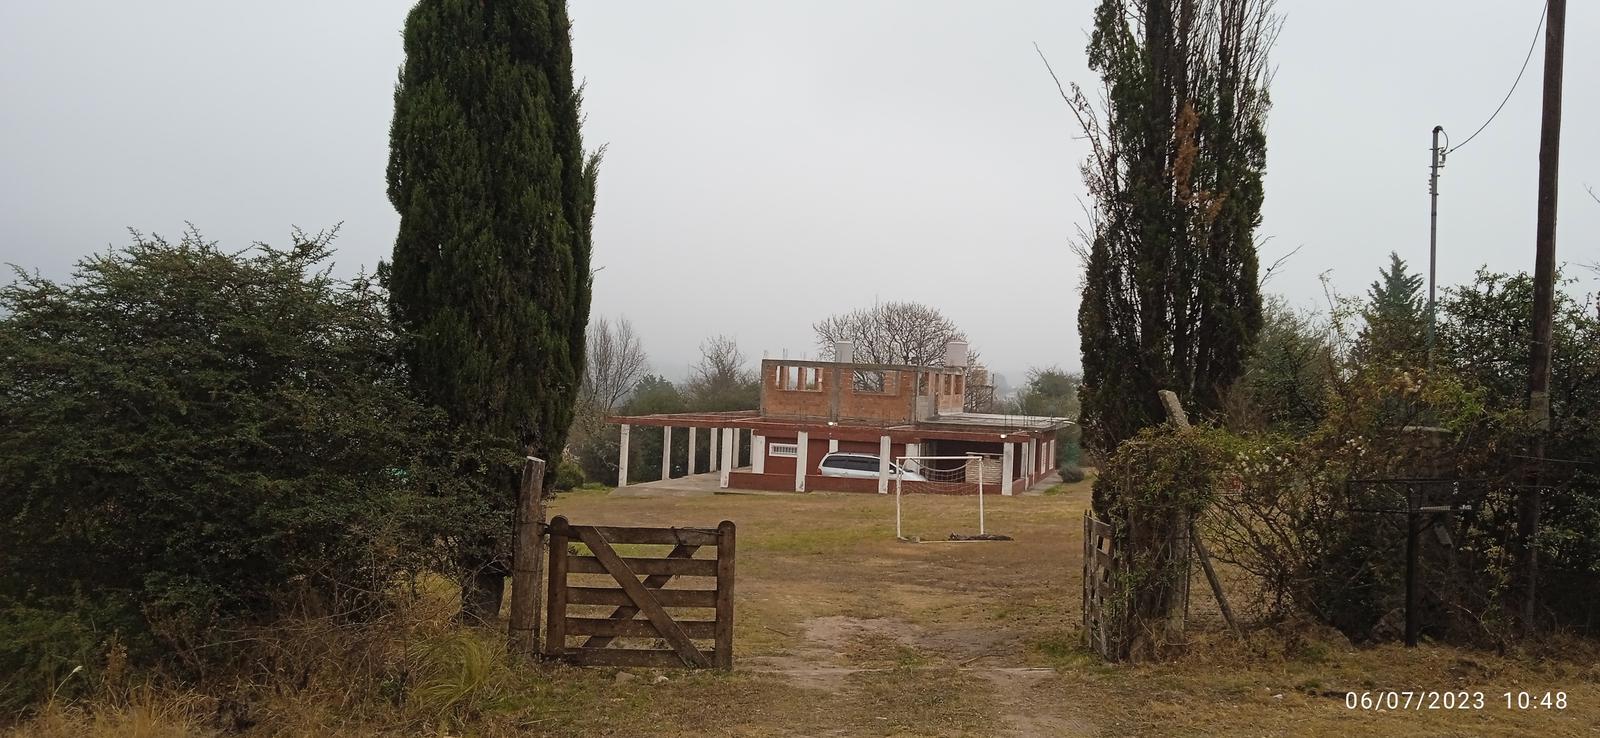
(569, 475)
(1484, 333)
(196, 435)
(44, 654)
(1150, 491)
(1069, 446)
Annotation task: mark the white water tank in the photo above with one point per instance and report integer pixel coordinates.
(955, 353)
(844, 352)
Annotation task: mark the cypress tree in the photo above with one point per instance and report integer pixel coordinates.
(1395, 318)
(490, 273)
(1170, 297)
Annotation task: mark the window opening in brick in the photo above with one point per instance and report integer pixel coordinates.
(872, 382)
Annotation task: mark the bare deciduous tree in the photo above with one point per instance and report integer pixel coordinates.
(902, 333)
(979, 390)
(721, 381)
(892, 333)
(616, 363)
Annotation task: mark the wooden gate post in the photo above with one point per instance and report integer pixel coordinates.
(724, 628)
(555, 630)
(527, 560)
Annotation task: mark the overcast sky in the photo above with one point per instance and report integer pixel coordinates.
(771, 163)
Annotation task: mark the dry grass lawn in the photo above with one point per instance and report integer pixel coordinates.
(842, 630)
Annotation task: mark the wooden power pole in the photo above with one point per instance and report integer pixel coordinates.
(1544, 281)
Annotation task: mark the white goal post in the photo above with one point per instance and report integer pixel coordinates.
(944, 475)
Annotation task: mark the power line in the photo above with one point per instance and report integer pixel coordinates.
(1507, 98)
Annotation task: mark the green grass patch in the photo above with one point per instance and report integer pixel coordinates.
(814, 541)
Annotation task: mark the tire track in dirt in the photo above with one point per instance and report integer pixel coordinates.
(848, 657)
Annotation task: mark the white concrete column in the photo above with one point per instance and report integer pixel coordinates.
(666, 452)
(1025, 464)
(738, 439)
(914, 449)
(693, 431)
(833, 445)
(622, 458)
(883, 465)
(802, 447)
(1006, 451)
(714, 447)
(727, 456)
(758, 453)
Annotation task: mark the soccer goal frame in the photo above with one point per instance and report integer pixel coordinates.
(985, 462)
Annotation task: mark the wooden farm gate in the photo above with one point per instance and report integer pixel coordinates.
(632, 597)
(1099, 568)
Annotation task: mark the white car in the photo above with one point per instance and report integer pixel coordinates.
(862, 466)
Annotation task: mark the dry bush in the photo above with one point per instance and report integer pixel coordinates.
(1322, 546)
(413, 670)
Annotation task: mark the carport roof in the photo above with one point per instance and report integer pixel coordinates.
(955, 426)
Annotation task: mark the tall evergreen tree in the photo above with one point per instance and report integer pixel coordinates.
(490, 275)
(1170, 297)
(1395, 320)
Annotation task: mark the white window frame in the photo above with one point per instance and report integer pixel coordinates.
(786, 450)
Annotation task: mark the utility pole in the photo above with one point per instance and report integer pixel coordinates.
(1433, 233)
(1544, 279)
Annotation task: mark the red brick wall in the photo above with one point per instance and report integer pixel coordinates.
(833, 395)
(816, 449)
(867, 447)
(778, 402)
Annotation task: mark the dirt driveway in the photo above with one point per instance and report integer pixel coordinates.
(843, 630)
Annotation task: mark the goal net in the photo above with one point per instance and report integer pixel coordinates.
(941, 497)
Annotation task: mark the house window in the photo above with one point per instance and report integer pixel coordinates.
(790, 450)
(792, 378)
(874, 382)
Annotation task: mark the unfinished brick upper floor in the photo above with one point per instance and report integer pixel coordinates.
(859, 393)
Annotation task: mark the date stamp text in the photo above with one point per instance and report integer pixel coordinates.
(1429, 699)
